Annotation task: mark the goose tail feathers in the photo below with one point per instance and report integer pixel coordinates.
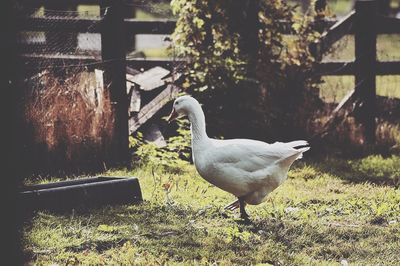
(298, 143)
(301, 150)
(300, 146)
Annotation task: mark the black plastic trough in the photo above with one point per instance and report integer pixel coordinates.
(80, 193)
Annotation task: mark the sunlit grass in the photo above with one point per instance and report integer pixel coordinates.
(325, 212)
(388, 47)
(334, 88)
(340, 7)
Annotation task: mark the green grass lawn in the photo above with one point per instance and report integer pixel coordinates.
(325, 212)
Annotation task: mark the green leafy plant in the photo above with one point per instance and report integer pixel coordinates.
(172, 157)
(253, 79)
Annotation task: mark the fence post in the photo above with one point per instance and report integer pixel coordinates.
(319, 26)
(365, 65)
(114, 56)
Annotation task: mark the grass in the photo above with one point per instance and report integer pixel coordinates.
(334, 88)
(326, 212)
(340, 7)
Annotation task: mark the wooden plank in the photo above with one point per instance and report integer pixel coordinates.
(172, 78)
(58, 61)
(131, 71)
(159, 26)
(147, 63)
(63, 60)
(348, 68)
(167, 26)
(93, 25)
(66, 57)
(323, 68)
(336, 32)
(335, 68)
(388, 68)
(349, 97)
(39, 3)
(52, 23)
(149, 79)
(134, 26)
(150, 109)
(135, 100)
(135, 63)
(99, 90)
(387, 25)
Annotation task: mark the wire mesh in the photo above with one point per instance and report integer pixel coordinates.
(66, 108)
(63, 105)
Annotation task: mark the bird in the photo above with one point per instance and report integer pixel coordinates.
(249, 169)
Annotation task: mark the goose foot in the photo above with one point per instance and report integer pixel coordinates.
(244, 216)
(246, 221)
(232, 206)
(243, 213)
(239, 204)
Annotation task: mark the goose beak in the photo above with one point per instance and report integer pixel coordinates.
(172, 116)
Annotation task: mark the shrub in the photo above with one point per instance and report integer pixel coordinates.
(253, 80)
(173, 157)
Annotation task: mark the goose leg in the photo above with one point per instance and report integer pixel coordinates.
(243, 213)
(232, 206)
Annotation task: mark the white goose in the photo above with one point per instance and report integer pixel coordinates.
(249, 169)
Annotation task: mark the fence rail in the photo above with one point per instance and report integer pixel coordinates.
(348, 68)
(336, 30)
(94, 25)
(365, 23)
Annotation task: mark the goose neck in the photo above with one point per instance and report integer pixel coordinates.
(198, 126)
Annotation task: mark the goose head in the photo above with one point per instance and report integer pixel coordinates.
(184, 106)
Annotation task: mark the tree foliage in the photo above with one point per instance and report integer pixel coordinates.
(253, 80)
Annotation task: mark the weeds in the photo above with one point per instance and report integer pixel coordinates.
(318, 216)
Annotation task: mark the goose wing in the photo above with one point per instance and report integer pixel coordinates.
(252, 155)
(241, 166)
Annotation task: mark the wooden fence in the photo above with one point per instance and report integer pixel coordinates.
(364, 22)
(113, 28)
(128, 26)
